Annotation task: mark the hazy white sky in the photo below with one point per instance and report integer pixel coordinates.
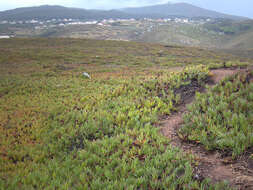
(237, 7)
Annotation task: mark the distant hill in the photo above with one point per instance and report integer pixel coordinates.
(157, 11)
(230, 27)
(178, 9)
(239, 33)
(242, 41)
(58, 12)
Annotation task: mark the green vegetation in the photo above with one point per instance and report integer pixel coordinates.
(222, 118)
(222, 34)
(96, 134)
(235, 37)
(44, 56)
(229, 27)
(59, 130)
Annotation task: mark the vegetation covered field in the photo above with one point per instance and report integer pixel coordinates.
(223, 118)
(61, 130)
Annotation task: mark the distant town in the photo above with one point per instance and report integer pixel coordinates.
(53, 23)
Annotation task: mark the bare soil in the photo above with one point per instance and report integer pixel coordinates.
(215, 165)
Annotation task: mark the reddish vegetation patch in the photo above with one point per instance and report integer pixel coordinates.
(220, 74)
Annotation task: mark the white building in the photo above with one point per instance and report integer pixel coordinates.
(34, 21)
(4, 37)
(4, 22)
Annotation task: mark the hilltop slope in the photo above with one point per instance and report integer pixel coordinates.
(58, 12)
(178, 9)
(157, 11)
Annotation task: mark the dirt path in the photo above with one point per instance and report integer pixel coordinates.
(213, 165)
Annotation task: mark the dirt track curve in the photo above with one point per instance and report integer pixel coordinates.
(212, 164)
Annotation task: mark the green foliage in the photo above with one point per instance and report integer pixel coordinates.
(229, 26)
(222, 118)
(93, 134)
(60, 130)
(48, 57)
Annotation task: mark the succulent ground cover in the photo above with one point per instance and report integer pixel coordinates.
(222, 117)
(94, 134)
(60, 130)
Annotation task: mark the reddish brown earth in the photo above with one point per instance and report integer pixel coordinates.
(213, 165)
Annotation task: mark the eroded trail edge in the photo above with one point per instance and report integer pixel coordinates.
(211, 164)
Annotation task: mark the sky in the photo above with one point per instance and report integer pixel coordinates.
(235, 7)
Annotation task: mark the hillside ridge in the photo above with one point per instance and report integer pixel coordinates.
(155, 11)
